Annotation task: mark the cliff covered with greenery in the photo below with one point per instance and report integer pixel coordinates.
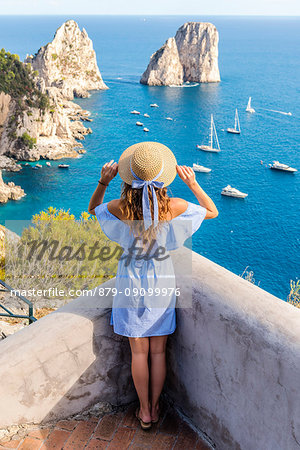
(17, 80)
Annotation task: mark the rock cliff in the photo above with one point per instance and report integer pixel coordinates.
(165, 67)
(192, 55)
(50, 133)
(5, 162)
(69, 62)
(9, 191)
(37, 118)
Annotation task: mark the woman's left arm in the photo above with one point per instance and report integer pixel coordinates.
(108, 172)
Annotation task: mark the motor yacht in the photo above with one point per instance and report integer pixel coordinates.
(233, 192)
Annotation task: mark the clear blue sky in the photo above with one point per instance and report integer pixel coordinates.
(190, 7)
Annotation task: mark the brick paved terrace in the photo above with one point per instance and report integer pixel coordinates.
(119, 430)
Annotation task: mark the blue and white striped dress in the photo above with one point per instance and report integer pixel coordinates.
(140, 308)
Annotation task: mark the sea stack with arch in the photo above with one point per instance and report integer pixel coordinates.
(190, 56)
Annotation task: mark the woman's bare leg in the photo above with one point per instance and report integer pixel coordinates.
(158, 371)
(140, 374)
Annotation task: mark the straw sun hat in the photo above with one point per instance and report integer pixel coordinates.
(147, 161)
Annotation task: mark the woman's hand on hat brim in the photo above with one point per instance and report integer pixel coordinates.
(187, 175)
(109, 171)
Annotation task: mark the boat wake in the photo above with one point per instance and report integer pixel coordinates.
(279, 112)
(185, 85)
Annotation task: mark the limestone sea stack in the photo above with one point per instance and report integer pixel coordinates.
(69, 62)
(190, 56)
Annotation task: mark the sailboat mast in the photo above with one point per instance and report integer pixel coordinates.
(211, 131)
(238, 121)
(235, 120)
(215, 133)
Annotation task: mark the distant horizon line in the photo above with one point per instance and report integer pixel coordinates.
(156, 14)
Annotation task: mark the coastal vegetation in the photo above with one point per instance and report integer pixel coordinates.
(17, 80)
(57, 252)
(27, 140)
(294, 295)
(249, 276)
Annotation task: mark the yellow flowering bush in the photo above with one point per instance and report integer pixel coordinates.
(61, 252)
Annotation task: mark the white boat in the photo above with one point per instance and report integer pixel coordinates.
(232, 192)
(139, 124)
(154, 105)
(278, 166)
(249, 107)
(169, 118)
(35, 168)
(63, 166)
(213, 139)
(237, 128)
(145, 129)
(39, 166)
(134, 112)
(48, 163)
(146, 115)
(198, 168)
(27, 164)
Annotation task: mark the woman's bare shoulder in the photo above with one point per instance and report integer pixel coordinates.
(114, 207)
(178, 206)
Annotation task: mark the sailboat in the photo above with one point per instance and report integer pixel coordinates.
(212, 137)
(249, 107)
(236, 129)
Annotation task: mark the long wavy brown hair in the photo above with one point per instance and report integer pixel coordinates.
(132, 208)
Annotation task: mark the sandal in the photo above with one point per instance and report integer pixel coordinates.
(158, 417)
(144, 425)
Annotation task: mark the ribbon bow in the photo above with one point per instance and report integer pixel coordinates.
(138, 183)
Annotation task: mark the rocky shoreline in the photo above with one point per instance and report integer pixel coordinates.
(10, 191)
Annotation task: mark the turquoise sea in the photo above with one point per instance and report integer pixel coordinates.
(258, 57)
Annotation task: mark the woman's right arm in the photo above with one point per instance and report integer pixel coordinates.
(108, 172)
(188, 177)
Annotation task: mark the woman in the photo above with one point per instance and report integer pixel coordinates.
(144, 220)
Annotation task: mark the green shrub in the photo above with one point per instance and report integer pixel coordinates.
(52, 265)
(12, 135)
(27, 140)
(54, 56)
(43, 102)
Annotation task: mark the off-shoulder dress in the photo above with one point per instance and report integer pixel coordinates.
(145, 299)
